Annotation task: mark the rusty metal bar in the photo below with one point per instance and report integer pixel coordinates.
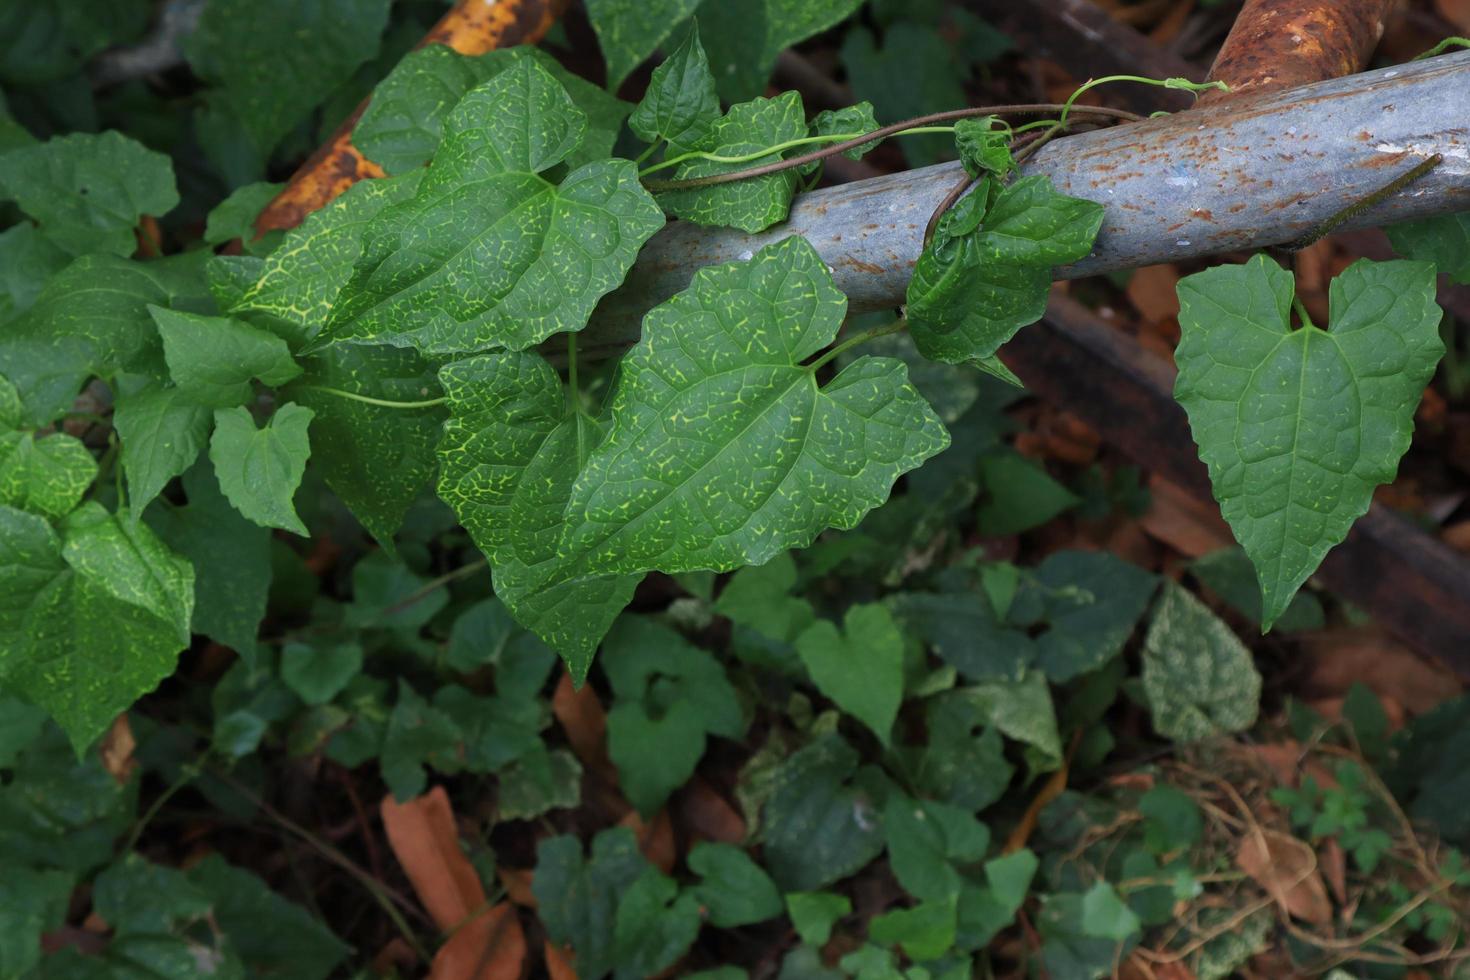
(1243, 174)
(1280, 44)
(469, 27)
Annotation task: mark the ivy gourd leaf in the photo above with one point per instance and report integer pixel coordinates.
(756, 203)
(745, 38)
(736, 891)
(213, 358)
(163, 431)
(718, 378)
(92, 319)
(1091, 601)
(267, 80)
(510, 453)
(680, 104)
(418, 734)
(848, 121)
(982, 279)
(87, 191)
(670, 695)
(1297, 427)
(260, 469)
(229, 596)
(294, 289)
(1198, 677)
(404, 122)
(861, 668)
(488, 253)
(628, 31)
(376, 458)
(983, 149)
(93, 617)
(234, 217)
(45, 476)
(1022, 710)
(1443, 240)
(27, 260)
(926, 839)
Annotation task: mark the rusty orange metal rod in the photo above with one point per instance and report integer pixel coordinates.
(1278, 44)
(470, 27)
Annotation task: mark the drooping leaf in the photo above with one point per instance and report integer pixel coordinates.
(1443, 240)
(92, 319)
(274, 937)
(229, 596)
(295, 287)
(260, 469)
(44, 476)
(163, 430)
(680, 104)
(629, 30)
(735, 890)
(377, 458)
(1229, 574)
(404, 122)
(983, 149)
(848, 121)
(744, 38)
(87, 191)
(267, 79)
(234, 217)
(94, 616)
(510, 453)
(1199, 678)
(664, 490)
(860, 668)
(976, 283)
(756, 203)
(1298, 427)
(27, 260)
(669, 696)
(487, 253)
(212, 359)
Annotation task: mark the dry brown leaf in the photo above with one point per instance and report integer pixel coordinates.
(1151, 291)
(517, 885)
(583, 719)
(426, 843)
(1287, 869)
(1334, 868)
(491, 946)
(116, 749)
(655, 838)
(1184, 522)
(560, 963)
(1336, 659)
(396, 958)
(1138, 967)
(1286, 761)
(1457, 12)
(709, 815)
(1457, 536)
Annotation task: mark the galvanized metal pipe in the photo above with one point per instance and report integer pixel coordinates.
(1243, 174)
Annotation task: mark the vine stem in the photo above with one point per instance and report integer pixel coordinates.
(783, 147)
(1443, 46)
(882, 132)
(853, 341)
(1183, 84)
(380, 402)
(463, 571)
(1356, 208)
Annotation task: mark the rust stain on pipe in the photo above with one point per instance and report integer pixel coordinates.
(1278, 44)
(470, 27)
